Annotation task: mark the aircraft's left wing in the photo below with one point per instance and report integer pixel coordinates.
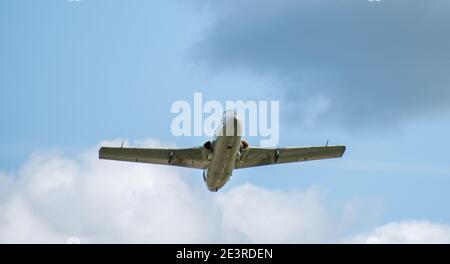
(188, 157)
(253, 156)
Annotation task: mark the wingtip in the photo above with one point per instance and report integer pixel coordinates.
(100, 152)
(343, 150)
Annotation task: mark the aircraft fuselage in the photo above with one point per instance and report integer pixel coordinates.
(224, 152)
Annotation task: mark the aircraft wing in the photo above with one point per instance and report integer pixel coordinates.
(253, 156)
(189, 157)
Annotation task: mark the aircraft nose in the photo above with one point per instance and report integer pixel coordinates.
(233, 124)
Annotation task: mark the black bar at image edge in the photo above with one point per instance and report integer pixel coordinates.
(225, 253)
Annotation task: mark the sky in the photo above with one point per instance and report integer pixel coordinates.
(374, 76)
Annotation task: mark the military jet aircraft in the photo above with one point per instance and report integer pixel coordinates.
(219, 157)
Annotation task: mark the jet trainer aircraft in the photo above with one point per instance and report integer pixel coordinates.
(219, 157)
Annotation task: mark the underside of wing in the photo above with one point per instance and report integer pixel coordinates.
(188, 157)
(253, 157)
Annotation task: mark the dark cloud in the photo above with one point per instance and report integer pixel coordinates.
(373, 62)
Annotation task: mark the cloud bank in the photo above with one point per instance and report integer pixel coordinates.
(54, 198)
(405, 232)
(356, 63)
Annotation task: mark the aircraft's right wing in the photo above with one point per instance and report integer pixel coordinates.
(189, 157)
(253, 157)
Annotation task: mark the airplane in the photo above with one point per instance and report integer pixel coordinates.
(220, 156)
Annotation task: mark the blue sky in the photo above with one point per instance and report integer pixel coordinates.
(77, 73)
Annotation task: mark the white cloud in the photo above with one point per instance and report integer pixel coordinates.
(267, 216)
(20, 225)
(53, 198)
(405, 232)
